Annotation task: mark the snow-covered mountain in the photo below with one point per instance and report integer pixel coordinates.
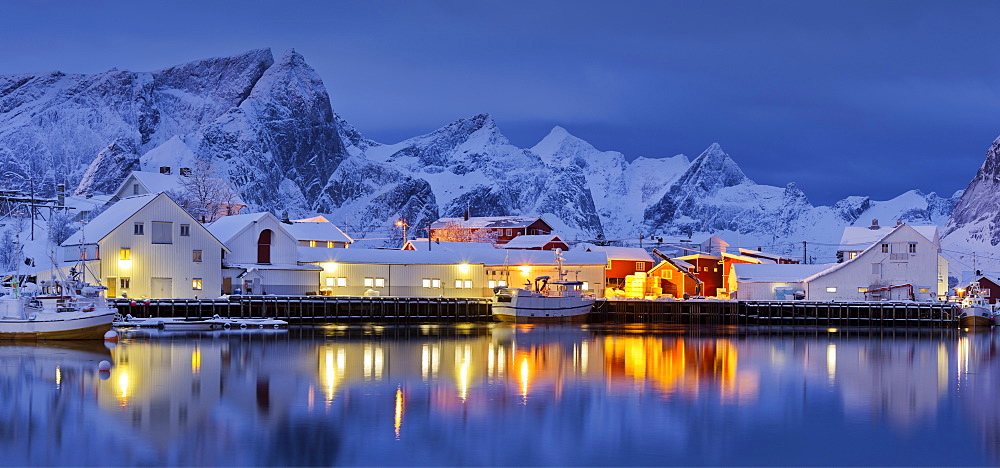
(268, 126)
(974, 225)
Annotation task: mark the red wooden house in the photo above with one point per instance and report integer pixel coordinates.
(622, 261)
(496, 229)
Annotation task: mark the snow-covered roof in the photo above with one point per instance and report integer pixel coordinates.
(109, 220)
(535, 241)
(82, 203)
(448, 246)
(154, 182)
(778, 273)
(227, 227)
(837, 266)
(859, 238)
(317, 231)
(314, 219)
(741, 258)
(488, 222)
(621, 253)
(476, 256)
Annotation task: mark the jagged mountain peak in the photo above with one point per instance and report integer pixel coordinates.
(263, 55)
(559, 144)
(712, 170)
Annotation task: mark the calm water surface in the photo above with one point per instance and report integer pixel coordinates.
(506, 395)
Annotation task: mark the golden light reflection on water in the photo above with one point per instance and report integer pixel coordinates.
(525, 376)
(463, 361)
(196, 361)
(831, 362)
(332, 367)
(398, 420)
(123, 386)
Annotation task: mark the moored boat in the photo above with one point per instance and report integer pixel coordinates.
(975, 310)
(544, 301)
(59, 310)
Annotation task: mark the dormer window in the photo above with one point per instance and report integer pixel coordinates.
(165, 170)
(135, 189)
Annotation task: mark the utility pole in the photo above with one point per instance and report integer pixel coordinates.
(31, 207)
(805, 256)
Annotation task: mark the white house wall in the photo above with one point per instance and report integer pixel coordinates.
(765, 291)
(174, 260)
(897, 267)
(243, 247)
(404, 280)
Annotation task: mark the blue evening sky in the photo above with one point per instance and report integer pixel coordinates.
(843, 98)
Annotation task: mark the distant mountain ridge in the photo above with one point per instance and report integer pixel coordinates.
(268, 126)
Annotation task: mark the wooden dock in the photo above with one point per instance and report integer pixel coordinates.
(381, 309)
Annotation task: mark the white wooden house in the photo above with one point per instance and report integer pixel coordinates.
(903, 264)
(147, 246)
(262, 257)
(317, 232)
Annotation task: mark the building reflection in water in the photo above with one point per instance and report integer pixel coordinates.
(404, 396)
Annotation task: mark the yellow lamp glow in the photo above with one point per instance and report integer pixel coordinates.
(464, 268)
(124, 264)
(525, 269)
(330, 267)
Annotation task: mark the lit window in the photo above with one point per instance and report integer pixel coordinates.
(502, 284)
(124, 283)
(426, 282)
(491, 284)
(586, 286)
(666, 274)
(468, 284)
(196, 283)
(369, 282)
(195, 255)
(330, 281)
(852, 255)
(640, 266)
(341, 282)
(125, 254)
(862, 290)
(458, 284)
(379, 282)
(329, 244)
(435, 283)
(925, 290)
(185, 230)
(137, 229)
(831, 289)
(312, 243)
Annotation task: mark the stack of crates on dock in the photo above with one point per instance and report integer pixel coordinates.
(639, 286)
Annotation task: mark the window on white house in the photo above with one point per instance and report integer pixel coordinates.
(138, 230)
(329, 244)
(913, 247)
(162, 232)
(185, 230)
(435, 283)
(125, 253)
(196, 283)
(195, 255)
(502, 283)
(862, 290)
(124, 283)
(885, 248)
(369, 282)
(426, 282)
(135, 189)
(330, 281)
(586, 286)
(165, 170)
(925, 290)
(379, 282)
(341, 282)
(312, 243)
(831, 289)
(491, 284)
(852, 255)
(876, 268)
(468, 284)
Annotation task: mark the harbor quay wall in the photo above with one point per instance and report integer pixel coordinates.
(381, 309)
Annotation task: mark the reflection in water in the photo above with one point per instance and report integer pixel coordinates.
(506, 395)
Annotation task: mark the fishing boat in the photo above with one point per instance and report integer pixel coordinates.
(57, 310)
(975, 309)
(544, 301)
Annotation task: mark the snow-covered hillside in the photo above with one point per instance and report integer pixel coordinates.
(974, 225)
(269, 128)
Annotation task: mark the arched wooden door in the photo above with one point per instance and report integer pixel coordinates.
(264, 247)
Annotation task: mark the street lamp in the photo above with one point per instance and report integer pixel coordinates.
(402, 223)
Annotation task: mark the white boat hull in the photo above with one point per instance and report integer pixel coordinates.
(542, 309)
(59, 326)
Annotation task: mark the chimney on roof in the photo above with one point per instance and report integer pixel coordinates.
(284, 217)
(874, 224)
(899, 222)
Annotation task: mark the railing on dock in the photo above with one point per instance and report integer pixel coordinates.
(813, 313)
(317, 309)
(335, 309)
